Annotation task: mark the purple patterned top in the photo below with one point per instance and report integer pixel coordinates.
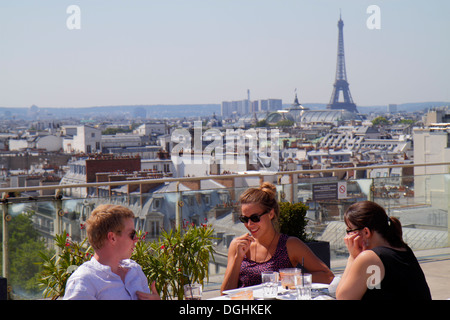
(250, 273)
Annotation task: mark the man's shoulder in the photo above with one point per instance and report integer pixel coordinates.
(85, 269)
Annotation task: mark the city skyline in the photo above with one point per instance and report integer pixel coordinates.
(203, 52)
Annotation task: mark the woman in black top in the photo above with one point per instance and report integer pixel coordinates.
(380, 265)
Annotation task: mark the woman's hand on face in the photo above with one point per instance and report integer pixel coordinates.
(354, 244)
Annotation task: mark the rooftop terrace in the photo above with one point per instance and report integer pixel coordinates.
(421, 203)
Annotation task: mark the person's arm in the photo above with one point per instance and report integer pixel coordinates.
(153, 295)
(236, 253)
(300, 253)
(353, 283)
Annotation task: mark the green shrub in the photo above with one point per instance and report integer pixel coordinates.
(179, 257)
(57, 268)
(292, 220)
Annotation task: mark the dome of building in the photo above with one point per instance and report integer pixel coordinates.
(329, 116)
(296, 110)
(251, 119)
(277, 116)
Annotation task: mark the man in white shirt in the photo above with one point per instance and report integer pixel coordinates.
(110, 274)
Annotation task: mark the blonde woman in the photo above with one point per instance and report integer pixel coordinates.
(264, 248)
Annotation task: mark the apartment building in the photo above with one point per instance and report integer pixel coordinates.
(81, 139)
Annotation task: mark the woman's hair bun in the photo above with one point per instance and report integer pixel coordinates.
(265, 196)
(269, 188)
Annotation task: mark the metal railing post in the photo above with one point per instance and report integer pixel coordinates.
(58, 220)
(5, 249)
(178, 208)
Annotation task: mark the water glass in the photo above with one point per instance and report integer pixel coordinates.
(303, 285)
(193, 291)
(288, 276)
(270, 284)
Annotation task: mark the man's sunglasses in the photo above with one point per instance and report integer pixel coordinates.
(254, 217)
(133, 235)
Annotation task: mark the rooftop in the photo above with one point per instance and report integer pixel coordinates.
(420, 202)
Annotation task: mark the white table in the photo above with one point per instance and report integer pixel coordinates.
(319, 292)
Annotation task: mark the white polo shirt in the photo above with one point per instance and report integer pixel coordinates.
(94, 281)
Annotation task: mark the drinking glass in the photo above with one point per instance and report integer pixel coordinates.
(270, 284)
(287, 277)
(303, 285)
(193, 291)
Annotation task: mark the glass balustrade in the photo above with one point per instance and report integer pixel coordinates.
(30, 223)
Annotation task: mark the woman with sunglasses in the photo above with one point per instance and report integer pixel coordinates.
(264, 248)
(380, 265)
(110, 274)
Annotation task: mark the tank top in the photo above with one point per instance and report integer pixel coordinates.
(403, 277)
(250, 273)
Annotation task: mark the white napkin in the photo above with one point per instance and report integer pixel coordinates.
(333, 285)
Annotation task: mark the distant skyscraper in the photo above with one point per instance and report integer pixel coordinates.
(227, 108)
(392, 108)
(254, 106)
(244, 107)
(275, 104)
(341, 84)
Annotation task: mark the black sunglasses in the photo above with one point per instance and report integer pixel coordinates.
(254, 217)
(133, 235)
(353, 230)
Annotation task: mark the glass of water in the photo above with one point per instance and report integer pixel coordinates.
(303, 284)
(192, 291)
(270, 284)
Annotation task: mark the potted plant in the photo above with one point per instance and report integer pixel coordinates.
(177, 258)
(57, 268)
(292, 221)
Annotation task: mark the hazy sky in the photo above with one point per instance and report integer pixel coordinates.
(131, 52)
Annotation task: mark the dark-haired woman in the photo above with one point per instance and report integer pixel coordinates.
(380, 265)
(264, 248)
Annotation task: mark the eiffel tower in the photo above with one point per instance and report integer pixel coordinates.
(341, 84)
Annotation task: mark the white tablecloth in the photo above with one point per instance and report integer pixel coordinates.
(320, 291)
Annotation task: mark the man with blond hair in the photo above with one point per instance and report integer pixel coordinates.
(110, 274)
